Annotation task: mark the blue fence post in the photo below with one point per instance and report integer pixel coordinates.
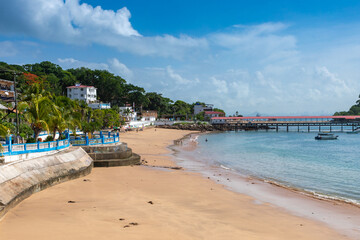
(57, 144)
(38, 145)
(102, 139)
(109, 134)
(101, 134)
(10, 145)
(86, 140)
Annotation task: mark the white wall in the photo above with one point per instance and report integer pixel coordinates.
(87, 94)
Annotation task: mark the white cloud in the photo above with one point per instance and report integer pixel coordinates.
(96, 20)
(81, 24)
(178, 79)
(332, 83)
(220, 86)
(7, 49)
(119, 68)
(114, 66)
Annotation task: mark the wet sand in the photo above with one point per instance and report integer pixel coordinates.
(143, 202)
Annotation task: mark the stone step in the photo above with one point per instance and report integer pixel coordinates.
(134, 159)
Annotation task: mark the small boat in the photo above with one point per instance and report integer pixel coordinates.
(326, 136)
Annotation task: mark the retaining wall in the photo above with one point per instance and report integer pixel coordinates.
(21, 179)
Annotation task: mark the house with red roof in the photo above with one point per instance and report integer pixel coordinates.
(82, 93)
(87, 94)
(210, 114)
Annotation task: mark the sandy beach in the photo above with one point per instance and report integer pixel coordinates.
(143, 202)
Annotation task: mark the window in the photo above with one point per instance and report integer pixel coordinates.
(69, 95)
(69, 89)
(82, 95)
(82, 89)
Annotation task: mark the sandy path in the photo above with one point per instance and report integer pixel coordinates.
(184, 205)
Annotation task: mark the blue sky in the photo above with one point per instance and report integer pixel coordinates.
(267, 57)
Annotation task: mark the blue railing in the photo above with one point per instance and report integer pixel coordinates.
(103, 139)
(23, 148)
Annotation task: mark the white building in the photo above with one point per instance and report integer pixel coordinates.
(82, 93)
(147, 115)
(128, 113)
(198, 108)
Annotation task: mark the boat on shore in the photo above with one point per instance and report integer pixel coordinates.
(326, 136)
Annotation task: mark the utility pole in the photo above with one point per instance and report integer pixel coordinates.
(16, 109)
(16, 105)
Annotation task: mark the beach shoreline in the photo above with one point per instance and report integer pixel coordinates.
(317, 196)
(338, 212)
(159, 202)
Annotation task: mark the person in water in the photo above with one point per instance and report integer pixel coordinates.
(206, 140)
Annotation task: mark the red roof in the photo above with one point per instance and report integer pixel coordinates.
(288, 117)
(212, 112)
(81, 86)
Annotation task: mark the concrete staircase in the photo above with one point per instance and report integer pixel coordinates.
(112, 155)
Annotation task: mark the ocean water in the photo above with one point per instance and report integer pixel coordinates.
(293, 159)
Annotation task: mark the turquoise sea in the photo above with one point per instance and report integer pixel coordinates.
(293, 159)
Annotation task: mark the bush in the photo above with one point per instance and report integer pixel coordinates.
(25, 131)
(30, 140)
(62, 137)
(49, 139)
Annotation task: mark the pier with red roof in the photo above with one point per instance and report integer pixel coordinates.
(274, 122)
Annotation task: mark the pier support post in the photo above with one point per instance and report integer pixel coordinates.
(319, 128)
(308, 128)
(342, 128)
(330, 128)
(287, 127)
(277, 128)
(298, 128)
(353, 127)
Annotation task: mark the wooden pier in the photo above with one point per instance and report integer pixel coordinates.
(300, 123)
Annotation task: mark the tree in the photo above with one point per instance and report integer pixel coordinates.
(68, 117)
(158, 103)
(200, 116)
(111, 118)
(354, 110)
(4, 131)
(36, 112)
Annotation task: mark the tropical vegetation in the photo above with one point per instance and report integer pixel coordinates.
(43, 105)
(354, 110)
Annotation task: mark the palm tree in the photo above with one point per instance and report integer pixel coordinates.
(68, 117)
(4, 131)
(37, 111)
(127, 112)
(358, 101)
(57, 123)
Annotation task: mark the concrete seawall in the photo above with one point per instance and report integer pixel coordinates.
(21, 179)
